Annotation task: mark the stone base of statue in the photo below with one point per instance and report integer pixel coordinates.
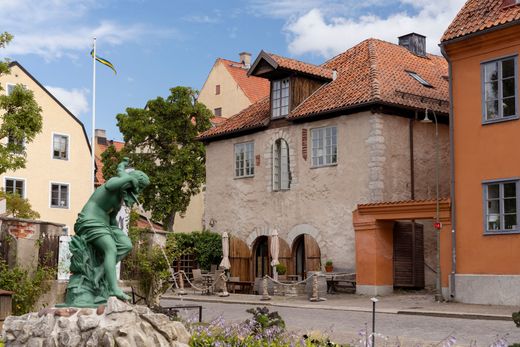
(114, 324)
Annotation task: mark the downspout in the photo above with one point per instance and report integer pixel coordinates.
(412, 171)
(452, 179)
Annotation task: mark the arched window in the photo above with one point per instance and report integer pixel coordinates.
(281, 171)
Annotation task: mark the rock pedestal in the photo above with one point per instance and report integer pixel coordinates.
(114, 324)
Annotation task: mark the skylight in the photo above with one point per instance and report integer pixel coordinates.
(419, 79)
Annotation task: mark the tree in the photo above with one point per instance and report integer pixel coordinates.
(110, 158)
(21, 120)
(161, 141)
(18, 207)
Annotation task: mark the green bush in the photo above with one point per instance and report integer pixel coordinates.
(281, 269)
(206, 246)
(27, 287)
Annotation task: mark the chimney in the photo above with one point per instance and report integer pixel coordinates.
(101, 136)
(245, 59)
(415, 43)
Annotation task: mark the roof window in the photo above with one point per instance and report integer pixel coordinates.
(419, 79)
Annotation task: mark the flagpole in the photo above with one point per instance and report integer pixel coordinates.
(93, 172)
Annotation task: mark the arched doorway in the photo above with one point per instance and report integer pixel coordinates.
(261, 264)
(306, 255)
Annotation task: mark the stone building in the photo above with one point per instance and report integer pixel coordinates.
(327, 138)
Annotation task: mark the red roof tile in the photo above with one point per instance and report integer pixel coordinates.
(253, 87)
(477, 15)
(373, 71)
(99, 149)
(299, 66)
(376, 70)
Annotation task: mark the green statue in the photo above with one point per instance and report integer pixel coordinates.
(99, 244)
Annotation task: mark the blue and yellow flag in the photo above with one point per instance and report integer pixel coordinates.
(103, 61)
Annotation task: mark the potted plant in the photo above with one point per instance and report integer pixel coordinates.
(328, 266)
(281, 270)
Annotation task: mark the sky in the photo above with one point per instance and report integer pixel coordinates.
(157, 45)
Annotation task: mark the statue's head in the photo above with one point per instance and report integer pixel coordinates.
(130, 197)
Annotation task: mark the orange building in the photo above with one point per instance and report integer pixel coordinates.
(482, 45)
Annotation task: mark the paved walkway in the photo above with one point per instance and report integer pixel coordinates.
(410, 303)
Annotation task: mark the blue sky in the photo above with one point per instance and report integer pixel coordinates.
(156, 45)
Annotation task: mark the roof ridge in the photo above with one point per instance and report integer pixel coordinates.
(372, 61)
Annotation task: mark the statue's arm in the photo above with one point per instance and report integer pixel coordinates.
(121, 183)
(122, 166)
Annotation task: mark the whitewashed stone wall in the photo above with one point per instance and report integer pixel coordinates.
(373, 165)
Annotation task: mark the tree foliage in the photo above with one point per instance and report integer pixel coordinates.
(21, 120)
(18, 207)
(110, 158)
(161, 141)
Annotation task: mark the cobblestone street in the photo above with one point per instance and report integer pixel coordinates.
(344, 326)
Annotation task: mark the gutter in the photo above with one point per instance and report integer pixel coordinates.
(452, 179)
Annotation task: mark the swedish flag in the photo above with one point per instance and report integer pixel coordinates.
(103, 61)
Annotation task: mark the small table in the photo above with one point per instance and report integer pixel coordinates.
(245, 286)
(336, 278)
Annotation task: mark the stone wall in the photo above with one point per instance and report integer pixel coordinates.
(373, 165)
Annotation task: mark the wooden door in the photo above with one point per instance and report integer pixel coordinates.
(312, 254)
(240, 259)
(284, 255)
(408, 255)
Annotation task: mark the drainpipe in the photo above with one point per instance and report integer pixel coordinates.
(452, 180)
(412, 172)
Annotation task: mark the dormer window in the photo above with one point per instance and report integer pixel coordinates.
(280, 98)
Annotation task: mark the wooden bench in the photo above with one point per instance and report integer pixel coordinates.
(336, 281)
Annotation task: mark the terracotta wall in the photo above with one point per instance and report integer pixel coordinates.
(482, 152)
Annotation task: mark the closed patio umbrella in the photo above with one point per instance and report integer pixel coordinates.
(275, 249)
(225, 264)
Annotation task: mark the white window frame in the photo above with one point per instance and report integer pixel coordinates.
(501, 211)
(278, 107)
(16, 179)
(500, 97)
(68, 195)
(281, 165)
(52, 146)
(320, 145)
(248, 149)
(7, 86)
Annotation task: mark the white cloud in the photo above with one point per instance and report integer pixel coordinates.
(328, 28)
(55, 28)
(75, 99)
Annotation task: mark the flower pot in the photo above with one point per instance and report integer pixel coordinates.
(329, 268)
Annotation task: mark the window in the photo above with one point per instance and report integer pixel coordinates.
(244, 164)
(15, 186)
(60, 147)
(217, 89)
(218, 112)
(280, 98)
(59, 195)
(10, 88)
(281, 173)
(501, 206)
(15, 145)
(419, 79)
(324, 146)
(499, 89)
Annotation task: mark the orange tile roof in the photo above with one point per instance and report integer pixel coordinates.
(371, 72)
(99, 149)
(299, 66)
(478, 15)
(376, 71)
(253, 87)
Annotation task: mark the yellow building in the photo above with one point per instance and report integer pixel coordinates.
(57, 177)
(228, 89)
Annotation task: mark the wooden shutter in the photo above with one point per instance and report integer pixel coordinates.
(312, 254)
(240, 259)
(276, 165)
(284, 165)
(408, 255)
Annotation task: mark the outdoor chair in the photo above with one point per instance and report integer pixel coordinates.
(197, 280)
(213, 268)
(234, 287)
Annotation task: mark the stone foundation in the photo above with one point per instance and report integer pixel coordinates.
(116, 324)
